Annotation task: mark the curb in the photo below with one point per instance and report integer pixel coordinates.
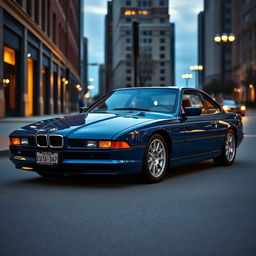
(4, 152)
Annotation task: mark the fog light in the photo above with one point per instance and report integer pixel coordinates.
(91, 144)
(26, 168)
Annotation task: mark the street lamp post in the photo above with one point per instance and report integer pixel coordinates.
(186, 77)
(223, 40)
(196, 69)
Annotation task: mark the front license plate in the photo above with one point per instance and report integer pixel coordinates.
(47, 158)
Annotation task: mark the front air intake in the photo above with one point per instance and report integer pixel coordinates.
(41, 140)
(56, 141)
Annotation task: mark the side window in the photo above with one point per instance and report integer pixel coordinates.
(212, 107)
(193, 99)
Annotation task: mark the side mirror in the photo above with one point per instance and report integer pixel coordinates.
(192, 111)
(82, 109)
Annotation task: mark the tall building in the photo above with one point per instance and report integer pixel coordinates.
(155, 67)
(201, 48)
(244, 49)
(108, 67)
(217, 57)
(40, 52)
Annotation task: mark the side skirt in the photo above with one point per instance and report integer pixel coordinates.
(177, 161)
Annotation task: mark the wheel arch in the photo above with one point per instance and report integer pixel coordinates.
(233, 129)
(166, 137)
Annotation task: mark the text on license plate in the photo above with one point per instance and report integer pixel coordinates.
(47, 158)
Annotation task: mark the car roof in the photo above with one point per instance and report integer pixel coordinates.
(158, 87)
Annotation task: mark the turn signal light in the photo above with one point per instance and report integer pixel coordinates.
(114, 144)
(15, 141)
(119, 144)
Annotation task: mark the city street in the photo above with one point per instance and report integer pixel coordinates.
(198, 209)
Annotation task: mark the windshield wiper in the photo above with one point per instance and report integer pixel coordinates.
(141, 109)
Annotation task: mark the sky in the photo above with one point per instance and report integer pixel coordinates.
(182, 12)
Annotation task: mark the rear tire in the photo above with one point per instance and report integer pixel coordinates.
(156, 159)
(228, 154)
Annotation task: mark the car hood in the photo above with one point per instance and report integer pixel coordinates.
(90, 125)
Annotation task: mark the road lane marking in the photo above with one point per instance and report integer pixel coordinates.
(250, 135)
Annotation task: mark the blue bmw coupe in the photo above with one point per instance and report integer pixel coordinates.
(136, 130)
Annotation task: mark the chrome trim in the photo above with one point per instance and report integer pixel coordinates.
(45, 135)
(56, 135)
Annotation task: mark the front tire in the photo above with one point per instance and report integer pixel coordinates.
(155, 159)
(229, 150)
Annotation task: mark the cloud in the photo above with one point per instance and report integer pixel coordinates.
(95, 10)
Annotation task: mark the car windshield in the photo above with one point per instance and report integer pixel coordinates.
(230, 102)
(156, 100)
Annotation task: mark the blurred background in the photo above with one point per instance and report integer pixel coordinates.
(57, 55)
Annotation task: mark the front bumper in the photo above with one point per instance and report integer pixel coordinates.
(125, 161)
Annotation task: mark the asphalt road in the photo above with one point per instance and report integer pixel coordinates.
(199, 209)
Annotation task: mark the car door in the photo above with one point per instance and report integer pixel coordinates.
(214, 113)
(199, 131)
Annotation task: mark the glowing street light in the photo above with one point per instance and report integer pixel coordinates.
(90, 87)
(186, 77)
(224, 38)
(196, 68)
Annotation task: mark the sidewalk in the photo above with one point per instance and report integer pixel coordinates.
(9, 124)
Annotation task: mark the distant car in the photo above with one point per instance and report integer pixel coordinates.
(234, 106)
(136, 130)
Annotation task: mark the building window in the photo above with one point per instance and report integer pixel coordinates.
(162, 2)
(147, 48)
(128, 56)
(128, 3)
(162, 71)
(162, 64)
(19, 2)
(128, 78)
(128, 20)
(145, 3)
(29, 7)
(162, 20)
(10, 81)
(37, 9)
(128, 40)
(54, 27)
(162, 48)
(162, 78)
(162, 40)
(162, 32)
(162, 56)
(128, 32)
(128, 48)
(128, 71)
(162, 85)
(128, 85)
(146, 32)
(43, 16)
